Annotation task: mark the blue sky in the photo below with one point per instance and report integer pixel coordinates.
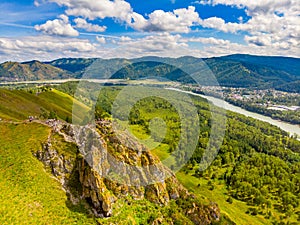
(49, 29)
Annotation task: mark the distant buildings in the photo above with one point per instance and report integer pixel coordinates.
(284, 108)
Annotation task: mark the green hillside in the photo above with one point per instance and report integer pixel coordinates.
(254, 179)
(244, 74)
(31, 193)
(152, 69)
(28, 194)
(20, 104)
(33, 70)
(290, 65)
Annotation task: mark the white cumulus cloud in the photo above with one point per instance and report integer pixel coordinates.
(83, 24)
(101, 40)
(256, 7)
(180, 20)
(210, 40)
(270, 28)
(45, 48)
(59, 27)
(272, 23)
(125, 38)
(118, 9)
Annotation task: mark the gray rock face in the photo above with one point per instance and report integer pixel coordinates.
(108, 170)
(60, 165)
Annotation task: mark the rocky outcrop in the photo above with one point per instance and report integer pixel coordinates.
(108, 165)
(200, 214)
(94, 190)
(61, 166)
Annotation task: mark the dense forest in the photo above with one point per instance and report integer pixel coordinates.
(258, 163)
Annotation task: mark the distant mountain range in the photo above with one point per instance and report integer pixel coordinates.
(33, 70)
(282, 73)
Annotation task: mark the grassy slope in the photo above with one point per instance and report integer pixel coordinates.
(18, 105)
(235, 211)
(28, 194)
(159, 149)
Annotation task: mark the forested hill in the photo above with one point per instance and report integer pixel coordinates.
(261, 72)
(33, 70)
(290, 65)
(233, 70)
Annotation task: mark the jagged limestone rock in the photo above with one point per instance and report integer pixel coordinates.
(105, 169)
